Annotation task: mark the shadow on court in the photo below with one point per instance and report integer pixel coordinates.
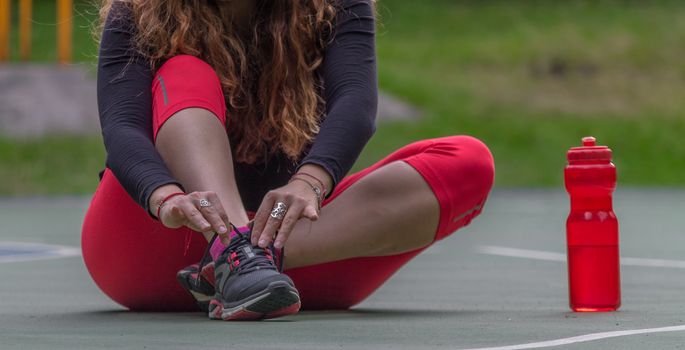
(500, 282)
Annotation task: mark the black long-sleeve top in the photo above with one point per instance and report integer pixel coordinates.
(349, 88)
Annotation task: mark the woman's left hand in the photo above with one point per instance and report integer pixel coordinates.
(300, 201)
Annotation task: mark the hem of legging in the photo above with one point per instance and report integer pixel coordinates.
(185, 104)
(423, 168)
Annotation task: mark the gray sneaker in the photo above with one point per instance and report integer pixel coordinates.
(248, 284)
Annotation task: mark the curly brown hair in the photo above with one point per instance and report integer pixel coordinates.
(269, 81)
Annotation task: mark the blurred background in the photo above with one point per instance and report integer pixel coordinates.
(529, 78)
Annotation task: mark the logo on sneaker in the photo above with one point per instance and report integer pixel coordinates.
(248, 251)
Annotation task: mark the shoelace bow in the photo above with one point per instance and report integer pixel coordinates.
(245, 263)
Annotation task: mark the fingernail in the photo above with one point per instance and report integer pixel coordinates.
(222, 229)
(262, 242)
(278, 245)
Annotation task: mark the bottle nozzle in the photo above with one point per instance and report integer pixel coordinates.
(588, 152)
(589, 141)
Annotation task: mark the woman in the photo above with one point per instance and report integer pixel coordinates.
(217, 112)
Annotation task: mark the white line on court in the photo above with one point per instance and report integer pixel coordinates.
(584, 338)
(35, 251)
(554, 256)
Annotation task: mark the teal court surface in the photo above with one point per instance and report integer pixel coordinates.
(498, 284)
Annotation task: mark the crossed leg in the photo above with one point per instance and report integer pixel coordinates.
(384, 206)
(378, 219)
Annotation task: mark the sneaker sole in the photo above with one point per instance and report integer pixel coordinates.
(202, 300)
(277, 300)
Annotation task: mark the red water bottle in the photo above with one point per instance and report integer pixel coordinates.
(592, 229)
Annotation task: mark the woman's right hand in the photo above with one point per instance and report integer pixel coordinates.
(185, 210)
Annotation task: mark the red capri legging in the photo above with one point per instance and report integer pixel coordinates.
(134, 258)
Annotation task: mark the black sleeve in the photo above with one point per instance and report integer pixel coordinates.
(350, 91)
(125, 105)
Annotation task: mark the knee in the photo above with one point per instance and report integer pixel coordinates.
(476, 163)
(482, 163)
(464, 170)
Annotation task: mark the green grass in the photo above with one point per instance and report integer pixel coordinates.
(529, 78)
(53, 165)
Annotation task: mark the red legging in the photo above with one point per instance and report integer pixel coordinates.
(134, 259)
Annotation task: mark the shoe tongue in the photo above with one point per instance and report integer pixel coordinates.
(240, 238)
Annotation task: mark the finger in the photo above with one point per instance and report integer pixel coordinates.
(217, 224)
(272, 226)
(216, 215)
(311, 213)
(262, 216)
(225, 237)
(195, 218)
(269, 232)
(287, 225)
(224, 217)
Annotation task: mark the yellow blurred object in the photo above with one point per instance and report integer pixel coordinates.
(25, 10)
(64, 29)
(4, 30)
(65, 23)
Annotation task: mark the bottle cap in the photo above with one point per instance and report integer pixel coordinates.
(589, 152)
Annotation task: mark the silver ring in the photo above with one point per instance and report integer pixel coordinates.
(279, 210)
(205, 203)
